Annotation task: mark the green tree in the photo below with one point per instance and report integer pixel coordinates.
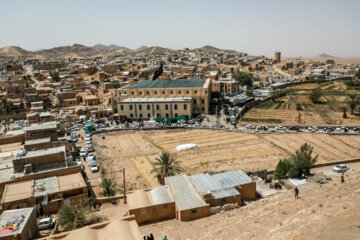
(281, 170)
(352, 101)
(315, 95)
(357, 74)
(344, 112)
(298, 107)
(5, 106)
(330, 61)
(298, 164)
(164, 166)
(109, 187)
(244, 78)
(72, 217)
(55, 76)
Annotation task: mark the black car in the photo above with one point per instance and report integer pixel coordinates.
(294, 128)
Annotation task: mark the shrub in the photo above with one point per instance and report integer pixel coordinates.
(315, 95)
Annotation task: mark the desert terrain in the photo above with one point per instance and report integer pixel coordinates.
(217, 151)
(323, 212)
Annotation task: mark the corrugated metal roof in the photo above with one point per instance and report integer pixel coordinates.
(220, 184)
(185, 195)
(160, 195)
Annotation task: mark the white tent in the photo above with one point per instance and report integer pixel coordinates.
(187, 146)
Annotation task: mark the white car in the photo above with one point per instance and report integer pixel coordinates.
(90, 161)
(82, 152)
(46, 223)
(340, 168)
(88, 142)
(89, 148)
(94, 167)
(279, 128)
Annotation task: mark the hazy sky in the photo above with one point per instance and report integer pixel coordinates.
(296, 28)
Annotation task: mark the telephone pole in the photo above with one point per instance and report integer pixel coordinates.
(124, 185)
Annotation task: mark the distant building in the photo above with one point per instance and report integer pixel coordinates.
(277, 56)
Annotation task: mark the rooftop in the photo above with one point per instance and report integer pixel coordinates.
(148, 197)
(39, 127)
(37, 141)
(164, 100)
(220, 184)
(184, 193)
(173, 83)
(16, 213)
(42, 152)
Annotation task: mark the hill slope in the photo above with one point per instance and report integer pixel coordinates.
(13, 52)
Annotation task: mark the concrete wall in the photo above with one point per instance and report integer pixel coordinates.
(12, 139)
(223, 201)
(41, 162)
(192, 214)
(154, 213)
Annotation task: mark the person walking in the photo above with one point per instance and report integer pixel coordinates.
(165, 238)
(296, 193)
(342, 179)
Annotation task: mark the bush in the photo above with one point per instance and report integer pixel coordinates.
(109, 187)
(297, 165)
(298, 107)
(244, 78)
(315, 95)
(72, 217)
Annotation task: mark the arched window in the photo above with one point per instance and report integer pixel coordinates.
(175, 106)
(185, 106)
(140, 107)
(157, 107)
(166, 107)
(148, 107)
(131, 107)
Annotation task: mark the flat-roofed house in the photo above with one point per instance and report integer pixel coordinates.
(151, 205)
(51, 193)
(18, 224)
(188, 203)
(40, 160)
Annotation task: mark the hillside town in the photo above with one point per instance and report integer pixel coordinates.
(64, 120)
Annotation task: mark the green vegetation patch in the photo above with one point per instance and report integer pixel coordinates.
(266, 105)
(261, 120)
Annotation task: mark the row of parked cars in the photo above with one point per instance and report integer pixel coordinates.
(90, 157)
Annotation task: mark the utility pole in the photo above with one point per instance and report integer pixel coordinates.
(124, 185)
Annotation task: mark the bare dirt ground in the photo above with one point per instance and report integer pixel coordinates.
(328, 212)
(217, 151)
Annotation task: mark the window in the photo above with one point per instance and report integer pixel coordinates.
(140, 107)
(163, 92)
(165, 206)
(132, 93)
(148, 93)
(155, 92)
(140, 115)
(148, 115)
(179, 92)
(158, 115)
(131, 115)
(175, 106)
(194, 101)
(203, 109)
(205, 91)
(157, 107)
(131, 107)
(122, 107)
(148, 107)
(176, 115)
(167, 115)
(195, 92)
(171, 92)
(166, 107)
(193, 211)
(187, 91)
(140, 92)
(202, 101)
(185, 106)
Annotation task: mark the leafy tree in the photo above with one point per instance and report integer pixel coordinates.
(357, 74)
(55, 76)
(116, 85)
(249, 93)
(330, 61)
(315, 95)
(298, 164)
(5, 106)
(244, 78)
(352, 101)
(109, 187)
(164, 166)
(281, 170)
(72, 217)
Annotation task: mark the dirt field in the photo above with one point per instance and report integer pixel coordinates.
(217, 151)
(323, 213)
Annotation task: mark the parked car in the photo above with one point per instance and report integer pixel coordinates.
(340, 168)
(89, 148)
(90, 161)
(294, 128)
(342, 129)
(279, 128)
(46, 223)
(94, 167)
(313, 129)
(88, 142)
(82, 152)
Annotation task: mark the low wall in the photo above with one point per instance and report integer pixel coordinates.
(6, 139)
(191, 214)
(108, 199)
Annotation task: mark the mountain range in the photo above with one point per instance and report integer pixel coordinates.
(81, 51)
